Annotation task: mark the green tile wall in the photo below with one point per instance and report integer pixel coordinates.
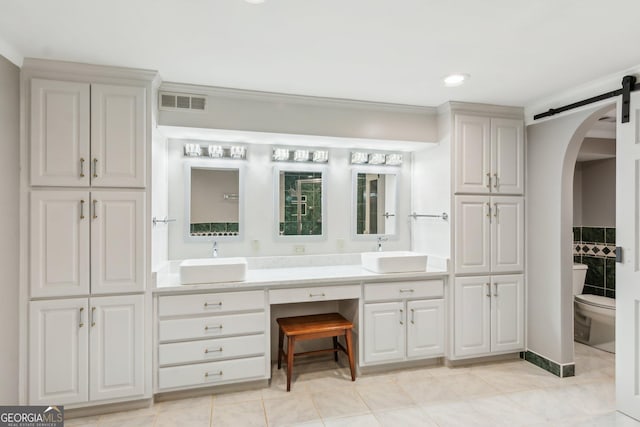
(595, 247)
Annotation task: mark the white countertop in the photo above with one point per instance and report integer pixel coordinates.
(296, 276)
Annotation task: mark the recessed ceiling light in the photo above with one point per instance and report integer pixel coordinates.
(456, 79)
(254, 1)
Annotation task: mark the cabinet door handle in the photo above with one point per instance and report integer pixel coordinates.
(488, 289)
(93, 317)
(206, 328)
(81, 167)
(489, 180)
(413, 316)
(495, 289)
(407, 290)
(489, 211)
(316, 295)
(213, 304)
(495, 212)
(401, 316)
(214, 350)
(81, 315)
(82, 209)
(495, 181)
(95, 167)
(95, 210)
(213, 374)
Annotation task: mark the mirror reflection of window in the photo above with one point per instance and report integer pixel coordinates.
(375, 203)
(300, 203)
(214, 205)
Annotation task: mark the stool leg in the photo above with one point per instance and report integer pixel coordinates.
(348, 339)
(290, 350)
(280, 344)
(335, 347)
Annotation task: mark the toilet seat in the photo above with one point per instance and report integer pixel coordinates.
(597, 301)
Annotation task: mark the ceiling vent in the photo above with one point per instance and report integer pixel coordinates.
(182, 101)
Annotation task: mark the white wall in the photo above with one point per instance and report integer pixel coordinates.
(577, 195)
(599, 193)
(159, 201)
(9, 227)
(259, 210)
(552, 149)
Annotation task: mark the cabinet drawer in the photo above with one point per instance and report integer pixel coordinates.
(220, 348)
(209, 327)
(315, 293)
(415, 289)
(177, 305)
(212, 373)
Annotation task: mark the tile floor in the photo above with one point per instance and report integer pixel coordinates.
(511, 393)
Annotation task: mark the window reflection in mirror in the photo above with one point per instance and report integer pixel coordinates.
(214, 209)
(375, 203)
(300, 203)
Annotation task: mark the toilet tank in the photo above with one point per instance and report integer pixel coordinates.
(579, 274)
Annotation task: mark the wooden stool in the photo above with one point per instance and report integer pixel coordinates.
(302, 328)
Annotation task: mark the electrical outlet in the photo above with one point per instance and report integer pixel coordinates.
(299, 249)
(255, 245)
(340, 243)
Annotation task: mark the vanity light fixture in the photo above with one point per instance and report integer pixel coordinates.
(192, 150)
(394, 159)
(215, 151)
(234, 152)
(301, 156)
(320, 156)
(359, 157)
(376, 159)
(280, 154)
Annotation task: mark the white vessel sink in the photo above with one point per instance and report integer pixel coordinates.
(213, 270)
(394, 262)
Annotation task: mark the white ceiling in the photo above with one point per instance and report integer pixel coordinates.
(516, 51)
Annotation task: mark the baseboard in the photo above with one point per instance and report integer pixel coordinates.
(557, 369)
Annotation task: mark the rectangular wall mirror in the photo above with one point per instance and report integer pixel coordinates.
(300, 203)
(375, 203)
(213, 202)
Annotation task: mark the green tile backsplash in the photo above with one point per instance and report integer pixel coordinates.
(595, 247)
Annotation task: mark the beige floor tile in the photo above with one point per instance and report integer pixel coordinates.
(501, 411)
(384, 397)
(339, 403)
(457, 414)
(237, 397)
(470, 385)
(549, 403)
(82, 422)
(173, 405)
(152, 410)
(407, 417)
(137, 421)
(430, 390)
(367, 420)
(249, 414)
(290, 410)
(197, 416)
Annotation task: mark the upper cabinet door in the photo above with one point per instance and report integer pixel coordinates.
(59, 133)
(507, 147)
(118, 140)
(59, 243)
(472, 234)
(472, 154)
(507, 234)
(58, 351)
(117, 242)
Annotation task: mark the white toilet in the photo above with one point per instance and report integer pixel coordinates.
(594, 315)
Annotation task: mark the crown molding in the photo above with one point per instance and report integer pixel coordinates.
(36, 67)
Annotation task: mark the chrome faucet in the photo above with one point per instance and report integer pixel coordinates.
(380, 240)
(215, 249)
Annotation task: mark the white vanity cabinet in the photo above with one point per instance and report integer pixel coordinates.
(489, 234)
(83, 242)
(87, 134)
(402, 321)
(86, 350)
(489, 155)
(489, 315)
(209, 339)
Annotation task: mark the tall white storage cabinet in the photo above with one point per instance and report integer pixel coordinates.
(487, 304)
(85, 200)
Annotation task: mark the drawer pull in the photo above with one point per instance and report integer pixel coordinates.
(213, 304)
(206, 328)
(213, 374)
(215, 350)
(413, 316)
(316, 295)
(406, 290)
